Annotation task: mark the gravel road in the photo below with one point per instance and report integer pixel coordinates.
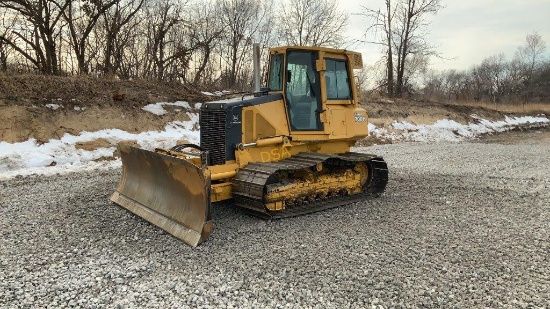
(462, 225)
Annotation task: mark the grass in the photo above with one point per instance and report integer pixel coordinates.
(509, 108)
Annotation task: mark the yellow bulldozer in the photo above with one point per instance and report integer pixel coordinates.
(282, 151)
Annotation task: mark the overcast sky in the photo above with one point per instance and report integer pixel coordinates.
(467, 31)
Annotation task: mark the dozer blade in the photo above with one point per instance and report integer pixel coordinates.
(169, 192)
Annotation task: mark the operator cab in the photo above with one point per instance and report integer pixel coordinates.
(299, 79)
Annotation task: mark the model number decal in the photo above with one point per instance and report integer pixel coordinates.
(360, 118)
(275, 154)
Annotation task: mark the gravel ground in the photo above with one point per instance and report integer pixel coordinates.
(462, 225)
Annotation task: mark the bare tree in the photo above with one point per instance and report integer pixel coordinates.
(403, 23)
(205, 32)
(417, 65)
(5, 49)
(409, 38)
(116, 19)
(39, 33)
(312, 22)
(242, 20)
(162, 18)
(496, 80)
(529, 59)
(382, 26)
(491, 78)
(81, 17)
(532, 52)
(129, 49)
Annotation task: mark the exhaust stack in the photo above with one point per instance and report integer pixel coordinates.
(256, 56)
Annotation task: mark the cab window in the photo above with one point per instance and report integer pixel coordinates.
(276, 72)
(337, 80)
(303, 91)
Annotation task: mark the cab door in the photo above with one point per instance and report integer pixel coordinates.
(303, 91)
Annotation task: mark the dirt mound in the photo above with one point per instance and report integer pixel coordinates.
(383, 112)
(19, 123)
(29, 89)
(46, 107)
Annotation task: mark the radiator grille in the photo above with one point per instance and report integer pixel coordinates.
(213, 132)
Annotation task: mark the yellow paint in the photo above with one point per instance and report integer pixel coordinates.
(271, 153)
(224, 175)
(275, 154)
(225, 171)
(220, 192)
(266, 125)
(309, 185)
(264, 121)
(338, 122)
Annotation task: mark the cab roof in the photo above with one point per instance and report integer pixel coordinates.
(356, 58)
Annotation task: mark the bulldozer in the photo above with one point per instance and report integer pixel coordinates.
(281, 151)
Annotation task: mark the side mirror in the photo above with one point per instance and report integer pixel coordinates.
(288, 76)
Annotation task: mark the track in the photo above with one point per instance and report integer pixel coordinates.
(251, 183)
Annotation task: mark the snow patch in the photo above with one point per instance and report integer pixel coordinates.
(236, 99)
(450, 130)
(157, 108)
(216, 93)
(53, 106)
(60, 155)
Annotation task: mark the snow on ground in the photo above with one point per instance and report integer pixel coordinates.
(216, 93)
(62, 156)
(450, 130)
(158, 109)
(53, 106)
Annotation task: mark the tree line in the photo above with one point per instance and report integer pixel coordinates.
(200, 42)
(208, 43)
(400, 28)
(524, 78)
